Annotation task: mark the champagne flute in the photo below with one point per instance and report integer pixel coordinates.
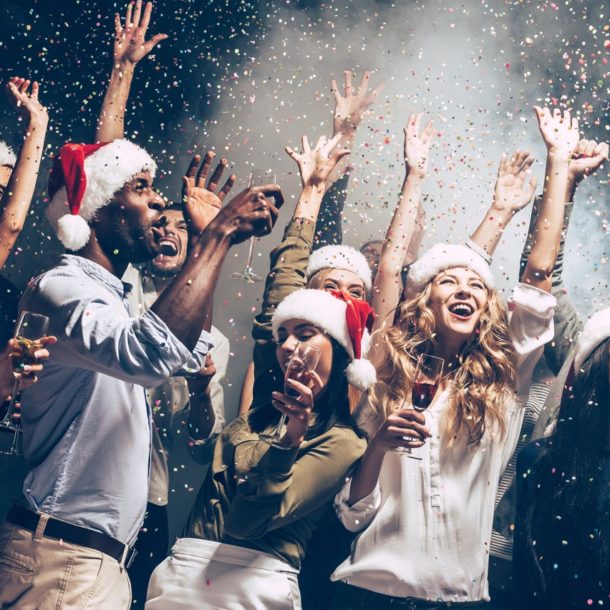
(303, 360)
(258, 177)
(29, 334)
(426, 380)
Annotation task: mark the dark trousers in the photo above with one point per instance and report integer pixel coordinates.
(328, 547)
(501, 584)
(348, 597)
(151, 547)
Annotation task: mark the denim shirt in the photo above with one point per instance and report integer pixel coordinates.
(86, 423)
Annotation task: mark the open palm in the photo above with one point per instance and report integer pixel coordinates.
(513, 191)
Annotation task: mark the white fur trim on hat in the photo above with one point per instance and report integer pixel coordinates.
(594, 332)
(108, 169)
(340, 257)
(328, 313)
(441, 257)
(7, 156)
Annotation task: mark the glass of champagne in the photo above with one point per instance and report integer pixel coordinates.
(428, 374)
(29, 333)
(258, 177)
(303, 360)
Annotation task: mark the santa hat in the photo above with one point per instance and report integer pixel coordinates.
(441, 257)
(340, 257)
(84, 179)
(7, 156)
(347, 320)
(594, 332)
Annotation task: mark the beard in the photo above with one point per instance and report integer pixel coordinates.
(163, 272)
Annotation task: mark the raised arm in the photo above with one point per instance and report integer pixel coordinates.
(588, 157)
(512, 193)
(130, 46)
(350, 110)
(387, 288)
(17, 196)
(560, 134)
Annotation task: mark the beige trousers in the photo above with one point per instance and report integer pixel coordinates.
(49, 574)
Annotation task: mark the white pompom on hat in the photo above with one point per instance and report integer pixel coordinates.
(347, 320)
(594, 332)
(340, 257)
(84, 178)
(445, 256)
(7, 155)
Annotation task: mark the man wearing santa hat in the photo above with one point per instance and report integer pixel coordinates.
(86, 424)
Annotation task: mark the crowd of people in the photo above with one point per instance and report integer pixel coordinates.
(366, 480)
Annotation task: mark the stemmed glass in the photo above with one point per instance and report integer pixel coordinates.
(29, 334)
(303, 361)
(426, 380)
(258, 177)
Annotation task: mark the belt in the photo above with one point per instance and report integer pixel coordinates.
(73, 534)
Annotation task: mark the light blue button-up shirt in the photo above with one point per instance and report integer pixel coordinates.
(86, 423)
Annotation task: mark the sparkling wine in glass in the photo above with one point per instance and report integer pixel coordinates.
(426, 380)
(303, 361)
(258, 177)
(29, 333)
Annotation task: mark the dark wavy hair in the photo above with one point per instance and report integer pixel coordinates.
(331, 405)
(567, 523)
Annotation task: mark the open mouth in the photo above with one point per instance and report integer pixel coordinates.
(167, 247)
(461, 310)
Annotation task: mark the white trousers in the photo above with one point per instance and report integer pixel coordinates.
(201, 575)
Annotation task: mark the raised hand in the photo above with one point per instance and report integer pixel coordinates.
(252, 212)
(512, 192)
(417, 146)
(316, 164)
(26, 102)
(586, 159)
(350, 108)
(130, 44)
(559, 131)
(201, 202)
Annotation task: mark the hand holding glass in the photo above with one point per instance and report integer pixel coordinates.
(303, 361)
(29, 334)
(258, 177)
(426, 380)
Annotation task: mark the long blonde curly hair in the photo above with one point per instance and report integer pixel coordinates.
(481, 383)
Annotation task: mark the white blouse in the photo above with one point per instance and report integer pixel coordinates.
(425, 529)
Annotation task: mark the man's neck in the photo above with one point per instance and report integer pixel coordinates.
(93, 252)
(161, 283)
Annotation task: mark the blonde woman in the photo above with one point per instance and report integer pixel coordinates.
(424, 525)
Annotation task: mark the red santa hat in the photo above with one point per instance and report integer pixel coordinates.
(84, 178)
(441, 257)
(7, 156)
(594, 332)
(347, 320)
(340, 257)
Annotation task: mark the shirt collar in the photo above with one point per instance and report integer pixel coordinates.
(98, 272)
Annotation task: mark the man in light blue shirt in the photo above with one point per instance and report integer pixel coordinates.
(86, 425)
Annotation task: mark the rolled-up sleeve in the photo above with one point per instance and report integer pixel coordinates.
(359, 515)
(97, 333)
(531, 327)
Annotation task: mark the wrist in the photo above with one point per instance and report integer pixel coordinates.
(559, 156)
(287, 442)
(123, 68)
(414, 174)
